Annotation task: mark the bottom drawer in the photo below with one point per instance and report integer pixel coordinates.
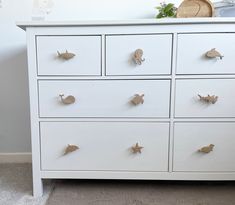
(204, 147)
(104, 146)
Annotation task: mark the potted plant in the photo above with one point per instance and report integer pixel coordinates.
(166, 10)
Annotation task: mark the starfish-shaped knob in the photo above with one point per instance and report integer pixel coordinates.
(136, 148)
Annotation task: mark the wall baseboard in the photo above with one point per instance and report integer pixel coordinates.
(21, 157)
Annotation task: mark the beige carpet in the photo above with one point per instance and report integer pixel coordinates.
(16, 186)
(85, 192)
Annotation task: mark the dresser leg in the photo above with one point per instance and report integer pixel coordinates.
(37, 187)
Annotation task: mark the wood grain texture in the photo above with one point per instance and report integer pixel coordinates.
(195, 8)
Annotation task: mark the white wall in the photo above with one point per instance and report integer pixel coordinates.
(14, 101)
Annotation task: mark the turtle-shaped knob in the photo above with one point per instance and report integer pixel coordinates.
(138, 99)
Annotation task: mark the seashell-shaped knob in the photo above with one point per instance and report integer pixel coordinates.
(213, 53)
(66, 55)
(138, 56)
(67, 100)
(209, 98)
(70, 148)
(207, 149)
(138, 99)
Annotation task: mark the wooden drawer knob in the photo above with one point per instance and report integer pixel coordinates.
(70, 148)
(138, 99)
(136, 148)
(67, 100)
(207, 149)
(209, 98)
(138, 56)
(213, 53)
(66, 55)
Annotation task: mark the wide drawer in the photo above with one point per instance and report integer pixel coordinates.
(105, 98)
(189, 104)
(191, 58)
(104, 146)
(69, 55)
(204, 147)
(156, 54)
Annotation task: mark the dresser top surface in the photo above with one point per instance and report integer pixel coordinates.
(166, 21)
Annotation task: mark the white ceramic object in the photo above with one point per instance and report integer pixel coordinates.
(225, 8)
(225, 12)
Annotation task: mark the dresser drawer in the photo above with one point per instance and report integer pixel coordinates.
(189, 104)
(104, 146)
(189, 138)
(192, 49)
(105, 98)
(156, 54)
(69, 55)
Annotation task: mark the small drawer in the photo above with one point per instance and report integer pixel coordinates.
(104, 146)
(69, 55)
(105, 98)
(215, 99)
(138, 54)
(196, 54)
(204, 147)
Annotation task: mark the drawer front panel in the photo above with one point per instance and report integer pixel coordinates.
(104, 146)
(156, 58)
(105, 98)
(193, 47)
(188, 103)
(189, 138)
(87, 51)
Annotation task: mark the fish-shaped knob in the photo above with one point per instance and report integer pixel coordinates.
(138, 99)
(213, 53)
(67, 100)
(66, 55)
(70, 148)
(138, 56)
(207, 149)
(209, 98)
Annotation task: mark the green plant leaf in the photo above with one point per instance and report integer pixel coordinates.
(166, 10)
(168, 7)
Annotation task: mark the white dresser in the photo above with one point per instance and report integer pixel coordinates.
(141, 99)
